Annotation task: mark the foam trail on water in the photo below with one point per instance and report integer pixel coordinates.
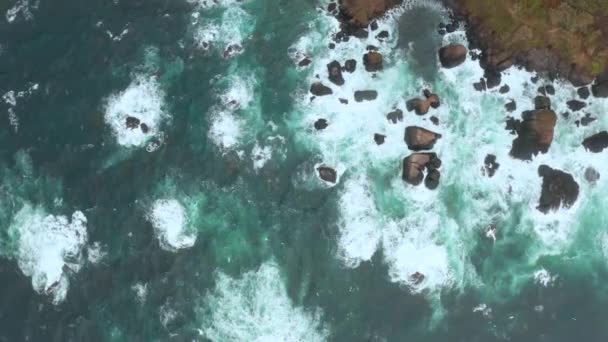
(255, 307)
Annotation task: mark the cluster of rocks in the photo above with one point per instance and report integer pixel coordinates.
(535, 131)
(421, 106)
(416, 164)
(559, 189)
(134, 123)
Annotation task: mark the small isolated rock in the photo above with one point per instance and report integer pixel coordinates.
(418, 138)
(597, 142)
(144, 128)
(452, 55)
(327, 174)
(321, 124)
(542, 102)
(435, 120)
(504, 89)
(591, 175)
(511, 106)
(335, 73)
(379, 138)
(350, 65)
(559, 189)
(365, 95)
(490, 165)
(417, 278)
(583, 93)
(587, 119)
(576, 105)
(481, 85)
(395, 116)
(382, 35)
(372, 61)
(343, 101)
(319, 89)
(549, 89)
(304, 62)
(132, 122)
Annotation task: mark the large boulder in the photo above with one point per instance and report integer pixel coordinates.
(334, 69)
(452, 55)
(359, 13)
(414, 166)
(418, 138)
(534, 134)
(559, 189)
(597, 142)
(372, 61)
(319, 89)
(365, 95)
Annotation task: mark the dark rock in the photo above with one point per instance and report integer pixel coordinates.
(600, 89)
(493, 78)
(504, 89)
(549, 89)
(319, 89)
(335, 73)
(513, 125)
(382, 35)
(343, 101)
(592, 175)
(435, 120)
(373, 26)
(417, 278)
(232, 50)
(542, 91)
(394, 116)
(432, 99)
(132, 122)
(420, 106)
(441, 31)
(379, 138)
(350, 65)
(542, 102)
(490, 164)
(321, 124)
(597, 142)
(535, 79)
(304, 62)
(559, 189)
(576, 105)
(414, 166)
(452, 55)
(432, 179)
(331, 7)
(511, 106)
(451, 27)
(535, 134)
(587, 119)
(583, 93)
(418, 138)
(144, 128)
(372, 61)
(365, 95)
(481, 85)
(360, 33)
(331, 46)
(327, 174)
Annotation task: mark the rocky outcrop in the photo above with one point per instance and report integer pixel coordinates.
(335, 73)
(591, 175)
(597, 142)
(534, 134)
(395, 116)
(452, 55)
(321, 124)
(379, 138)
(415, 165)
(319, 89)
(559, 189)
(418, 138)
(359, 13)
(372, 61)
(576, 105)
(365, 95)
(327, 174)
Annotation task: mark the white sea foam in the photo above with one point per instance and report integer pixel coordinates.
(95, 253)
(171, 226)
(432, 235)
(141, 291)
(256, 308)
(225, 130)
(11, 98)
(544, 278)
(23, 9)
(144, 100)
(49, 246)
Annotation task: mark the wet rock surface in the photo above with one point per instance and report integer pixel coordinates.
(597, 142)
(452, 55)
(416, 164)
(327, 174)
(559, 189)
(534, 134)
(418, 138)
(319, 89)
(365, 95)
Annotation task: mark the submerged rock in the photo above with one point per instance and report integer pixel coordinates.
(534, 134)
(350, 65)
(576, 105)
(511, 106)
(559, 189)
(418, 138)
(365, 95)
(592, 175)
(319, 89)
(452, 55)
(335, 73)
(597, 142)
(372, 61)
(304, 62)
(327, 174)
(583, 93)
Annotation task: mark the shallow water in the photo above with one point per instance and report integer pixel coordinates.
(213, 224)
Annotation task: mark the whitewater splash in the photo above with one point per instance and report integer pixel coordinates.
(255, 307)
(49, 248)
(171, 226)
(427, 237)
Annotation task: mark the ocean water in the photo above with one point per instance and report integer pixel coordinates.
(207, 220)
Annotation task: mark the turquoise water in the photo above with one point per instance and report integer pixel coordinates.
(213, 224)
